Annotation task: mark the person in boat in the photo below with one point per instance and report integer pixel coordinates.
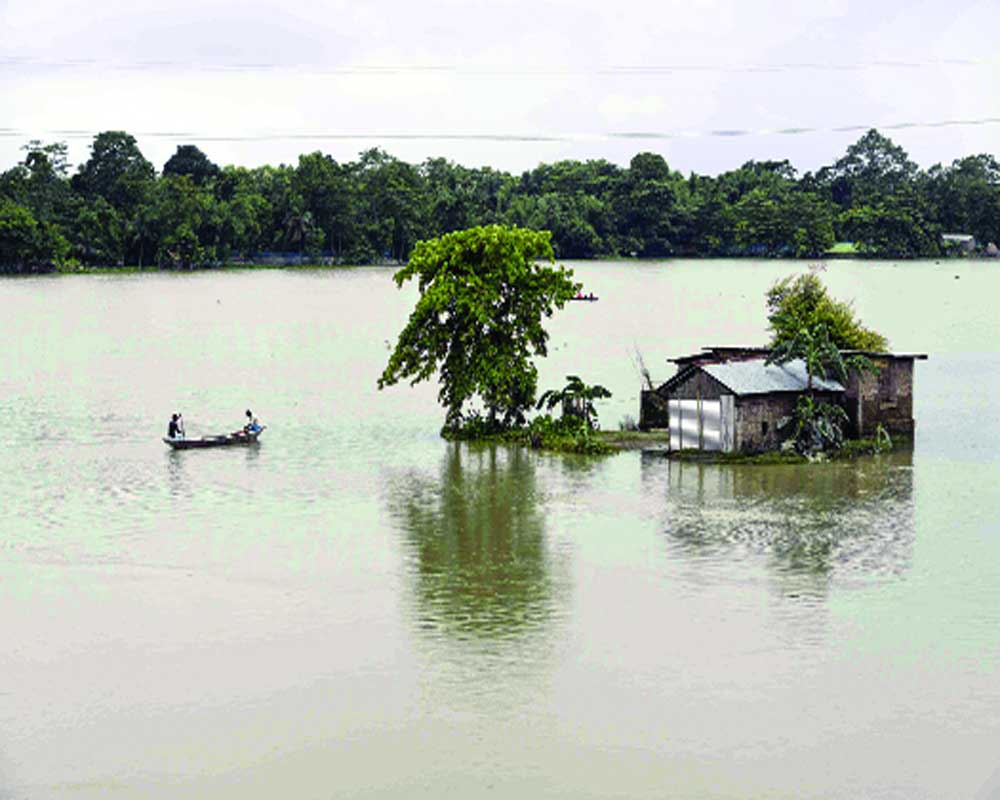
(253, 424)
(175, 428)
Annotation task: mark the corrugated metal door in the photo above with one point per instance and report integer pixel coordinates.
(674, 414)
(711, 424)
(697, 424)
(689, 424)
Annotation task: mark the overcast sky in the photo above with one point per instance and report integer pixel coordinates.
(506, 83)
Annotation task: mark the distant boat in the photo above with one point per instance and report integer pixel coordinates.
(586, 298)
(222, 440)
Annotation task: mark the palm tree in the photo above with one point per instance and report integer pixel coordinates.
(577, 400)
(821, 356)
(298, 224)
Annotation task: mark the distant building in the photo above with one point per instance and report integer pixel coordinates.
(960, 242)
(842, 250)
(729, 399)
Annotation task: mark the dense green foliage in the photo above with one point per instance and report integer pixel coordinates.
(815, 349)
(567, 434)
(478, 320)
(817, 427)
(797, 304)
(116, 211)
(808, 324)
(577, 400)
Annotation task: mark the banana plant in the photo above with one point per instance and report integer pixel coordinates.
(577, 400)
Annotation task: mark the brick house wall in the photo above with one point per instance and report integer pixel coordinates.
(885, 398)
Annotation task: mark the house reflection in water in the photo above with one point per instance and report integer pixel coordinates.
(811, 523)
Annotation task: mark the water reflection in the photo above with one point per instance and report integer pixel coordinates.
(179, 483)
(477, 542)
(813, 523)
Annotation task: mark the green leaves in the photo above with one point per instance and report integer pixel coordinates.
(116, 171)
(375, 208)
(478, 319)
(27, 245)
(818, 426)
(797, 303)
(809, 325)
(576, 399)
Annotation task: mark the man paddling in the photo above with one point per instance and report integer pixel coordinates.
(175, 428)
(253, 425)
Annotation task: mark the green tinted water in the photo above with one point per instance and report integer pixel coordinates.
(358, 608)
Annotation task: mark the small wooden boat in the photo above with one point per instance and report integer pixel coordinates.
(222, 440)
(586, 299)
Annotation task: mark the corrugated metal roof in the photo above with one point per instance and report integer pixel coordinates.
(756, 377)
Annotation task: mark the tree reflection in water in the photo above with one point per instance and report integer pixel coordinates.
(477, 539)
(814, 522)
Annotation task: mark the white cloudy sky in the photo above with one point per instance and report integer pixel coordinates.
(506, 83)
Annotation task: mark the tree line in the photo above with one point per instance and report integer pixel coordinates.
(117, 210)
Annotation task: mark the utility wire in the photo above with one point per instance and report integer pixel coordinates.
(8, 63)
(278, 136)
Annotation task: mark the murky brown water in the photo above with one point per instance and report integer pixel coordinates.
(357, 608)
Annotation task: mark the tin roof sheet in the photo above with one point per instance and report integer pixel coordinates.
(757, 377)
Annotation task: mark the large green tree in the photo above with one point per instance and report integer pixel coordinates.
(873, 169)
(27, 245)
(116, 170)
(644, 201)
(802, 303)
(478, 320)
(898, 227)
(966, 197)
(190, 161)
(393, 205)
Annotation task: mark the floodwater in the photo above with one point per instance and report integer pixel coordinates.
(356, 608)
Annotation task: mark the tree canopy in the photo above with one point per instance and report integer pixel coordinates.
(797, 304)
(478, 320)
(114, 210)
(190, 161)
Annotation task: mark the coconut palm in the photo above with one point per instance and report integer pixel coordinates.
(298, 225)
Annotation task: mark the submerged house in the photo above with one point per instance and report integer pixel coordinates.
(729, 399)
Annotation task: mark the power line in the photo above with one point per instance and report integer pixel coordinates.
(512, 137)
(464, 70)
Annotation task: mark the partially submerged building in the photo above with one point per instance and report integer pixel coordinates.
(731, 400)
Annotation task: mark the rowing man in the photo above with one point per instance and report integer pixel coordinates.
(253, 424)
(175, 428)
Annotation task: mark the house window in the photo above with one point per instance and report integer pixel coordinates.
(763, 428)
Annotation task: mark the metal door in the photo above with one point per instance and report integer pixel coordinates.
(711, 425)
(701, 424)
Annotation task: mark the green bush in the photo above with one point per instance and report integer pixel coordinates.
(818, 427)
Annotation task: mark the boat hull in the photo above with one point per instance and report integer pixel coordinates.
(223, 440)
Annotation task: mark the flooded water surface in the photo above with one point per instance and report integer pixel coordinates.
(357, 608)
